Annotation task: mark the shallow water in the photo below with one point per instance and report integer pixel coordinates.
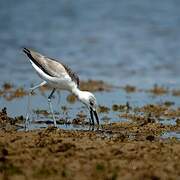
(130, 42)
(171, 134)
(17, 107)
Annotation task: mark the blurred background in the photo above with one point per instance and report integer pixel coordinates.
(121, 42)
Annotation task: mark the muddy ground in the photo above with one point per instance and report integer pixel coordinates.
(123, 150)
(116, 151)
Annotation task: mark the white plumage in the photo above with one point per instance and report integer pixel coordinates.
(60, 76)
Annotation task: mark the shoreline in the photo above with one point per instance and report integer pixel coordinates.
(59, 154)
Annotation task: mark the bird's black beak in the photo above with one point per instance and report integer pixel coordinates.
(96, 116)
(93, 112)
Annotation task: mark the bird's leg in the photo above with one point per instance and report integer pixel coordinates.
(50, 106)
(29, 102)
(91, 128)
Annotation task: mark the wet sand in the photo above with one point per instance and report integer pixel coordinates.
(134, 149)
(59, 154)
(116, 151)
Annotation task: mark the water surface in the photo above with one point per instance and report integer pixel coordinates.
(130, 42)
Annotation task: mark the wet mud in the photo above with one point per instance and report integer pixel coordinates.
(155, 90)
(133, 149)
(9, 92)
(115, 151)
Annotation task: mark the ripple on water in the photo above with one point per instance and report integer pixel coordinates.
(168, 121)
(171, 134)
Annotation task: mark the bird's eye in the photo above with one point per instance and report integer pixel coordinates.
(91, 103)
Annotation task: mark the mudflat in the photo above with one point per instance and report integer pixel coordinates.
(132, 149)
(117, 151)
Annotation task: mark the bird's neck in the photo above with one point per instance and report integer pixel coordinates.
(77, 92)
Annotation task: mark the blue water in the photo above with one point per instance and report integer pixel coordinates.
(171, 135)
(123, 42)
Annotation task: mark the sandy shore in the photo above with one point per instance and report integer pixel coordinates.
(116, 151)
(58, 154)
(134, 149)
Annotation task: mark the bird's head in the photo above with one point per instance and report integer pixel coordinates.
(89, 100)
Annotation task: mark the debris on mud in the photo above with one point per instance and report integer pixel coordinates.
(176, 92)
(94, 85)
(41, 112)
(158, 90)
(58, 154)
(8, 123)
(121, 108)
(80, 118)
(9, 92)
(130, 88)
(103, 109)
(71, 98)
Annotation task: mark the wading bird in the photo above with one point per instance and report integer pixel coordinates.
(59, 76)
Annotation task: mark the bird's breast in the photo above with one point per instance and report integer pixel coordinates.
(63, 84)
